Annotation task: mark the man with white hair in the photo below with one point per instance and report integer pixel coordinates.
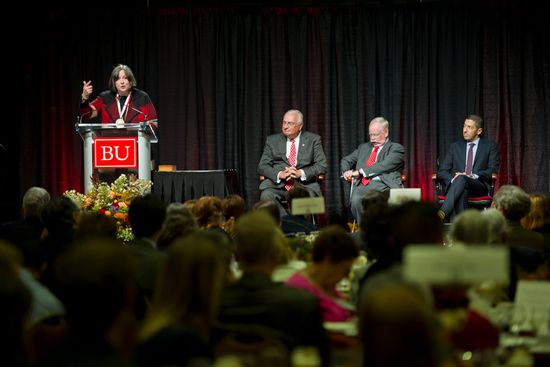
(30, 227)
(294, 155)
(374, 165)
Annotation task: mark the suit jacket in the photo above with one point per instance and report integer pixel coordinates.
(311, 159)
(486, 161)
(388, 166)
(148, 263)
(293, 314)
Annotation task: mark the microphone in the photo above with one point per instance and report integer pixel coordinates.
(140, 112)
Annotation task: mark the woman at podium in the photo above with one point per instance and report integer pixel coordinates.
(121, 103)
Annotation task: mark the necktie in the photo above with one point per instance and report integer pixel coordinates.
(292, 161)
(370, 162)
(470, 159)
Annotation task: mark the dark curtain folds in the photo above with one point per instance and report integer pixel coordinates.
(222, 78)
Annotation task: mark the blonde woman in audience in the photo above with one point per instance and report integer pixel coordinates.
(538, 220)
(177, 326)
(539, 215)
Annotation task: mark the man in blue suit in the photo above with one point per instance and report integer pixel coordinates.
(293, 155)
(467, 167)
(375, 165)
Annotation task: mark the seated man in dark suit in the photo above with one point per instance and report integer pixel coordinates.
(375, 165)
(294, 154)
(467, 167)
(255, 302)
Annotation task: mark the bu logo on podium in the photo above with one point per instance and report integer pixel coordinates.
(115, 153)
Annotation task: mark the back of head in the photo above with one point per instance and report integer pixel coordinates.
(179, 222)
(496, 224)
(334, 243)
(233, 206)
(410, 223)
(539, 215)
(296, 192)
(189, 283)
(398, 329)
(59, 214)
(470, 226)
(34, 201)
(95, 283)
(208, 211)
(258, 239)
(93, 224)
(269, 207)
(374, 224)
(512, 201)
(146, 215)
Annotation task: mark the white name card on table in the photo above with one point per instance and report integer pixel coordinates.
(532, 297)
(459, 264)
(305, 206)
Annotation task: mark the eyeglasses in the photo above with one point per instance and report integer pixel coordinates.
(291, 123)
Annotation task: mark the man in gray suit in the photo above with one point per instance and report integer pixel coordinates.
(375, 165)
(293, 154)
(462, 179)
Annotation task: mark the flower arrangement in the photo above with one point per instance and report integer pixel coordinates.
(302, 245)
(113, 200)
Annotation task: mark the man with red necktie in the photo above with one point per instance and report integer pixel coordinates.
(294, 155)
(375, 165)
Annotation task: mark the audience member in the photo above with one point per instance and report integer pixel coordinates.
(289, 262)
(255, 302)
(27, 231)
(375, 205)
(496, 226)
(270, 208)
(60, 218)
(233, 206)
(208, 212)
(291, 223)
(538, 219)
(407, 224)
(397, 328)
(93, 224)
(146, 215)
(514, 204)
(177, 327)
(292, 156)
(179, 222)
(470, 226)
(97, 289)
(333, 254)
(15, 302)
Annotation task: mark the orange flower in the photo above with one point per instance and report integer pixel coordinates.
(120, 215)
